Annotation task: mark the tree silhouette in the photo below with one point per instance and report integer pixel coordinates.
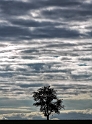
(46, 98)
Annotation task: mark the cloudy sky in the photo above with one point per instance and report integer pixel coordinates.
(45, 42)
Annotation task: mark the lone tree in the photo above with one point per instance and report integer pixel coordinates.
(46, 98)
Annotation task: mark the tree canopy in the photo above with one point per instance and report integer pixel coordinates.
(46, 98)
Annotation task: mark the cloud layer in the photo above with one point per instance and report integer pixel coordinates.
(68, 115)
(45, 42)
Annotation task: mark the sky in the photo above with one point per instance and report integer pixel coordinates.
(45, 42)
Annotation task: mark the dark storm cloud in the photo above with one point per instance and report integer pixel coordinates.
(85, 59)
(57, 33)
(5, 74)
(82, 76)
(32, 23)
(46, 29)
(47, 32)
(71, 86)
(72, 89)
(23, 7)
(17, 7)
(12, 31)
(61, 3)
(68, 13)
(41, 54)
(30, 51)
(30, 85)
(61, 45)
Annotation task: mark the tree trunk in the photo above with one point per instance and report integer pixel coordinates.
(47, 117)
(47, 113)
